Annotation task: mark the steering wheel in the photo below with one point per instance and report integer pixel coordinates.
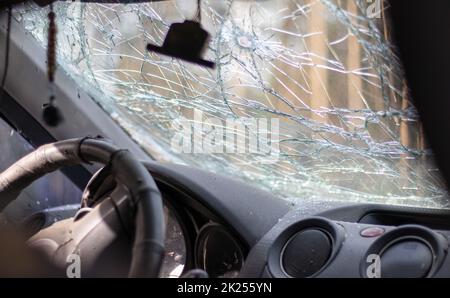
(149, 233)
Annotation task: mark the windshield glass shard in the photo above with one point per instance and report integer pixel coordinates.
(309, 93)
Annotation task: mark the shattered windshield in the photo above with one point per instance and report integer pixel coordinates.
(307, 99)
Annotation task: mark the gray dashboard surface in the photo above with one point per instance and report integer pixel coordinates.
(353, 218)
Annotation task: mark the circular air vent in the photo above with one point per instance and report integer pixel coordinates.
(409, 258)
(306, 253)
(406, 252)
(305, 248)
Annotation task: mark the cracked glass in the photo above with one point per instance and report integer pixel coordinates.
(325, 69)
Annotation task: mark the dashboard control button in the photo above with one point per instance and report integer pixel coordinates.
(372, 232)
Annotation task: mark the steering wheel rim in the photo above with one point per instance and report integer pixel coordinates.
(148, 246)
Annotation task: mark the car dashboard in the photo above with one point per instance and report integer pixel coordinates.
(229, 229)
(309, 239)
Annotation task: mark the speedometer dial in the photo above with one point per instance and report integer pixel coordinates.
(218, 252)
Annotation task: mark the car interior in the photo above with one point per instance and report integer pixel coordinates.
(224, 138)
